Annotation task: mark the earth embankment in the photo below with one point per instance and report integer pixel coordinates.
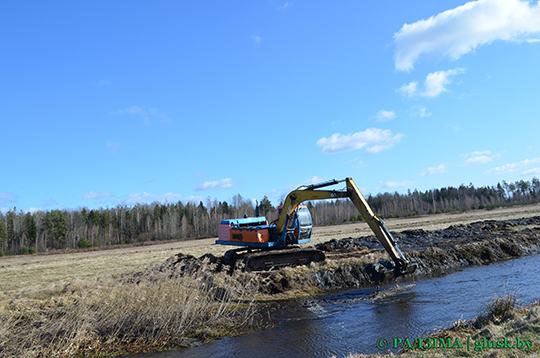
(361, 261)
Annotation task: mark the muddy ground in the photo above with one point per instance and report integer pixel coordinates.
(361, 261)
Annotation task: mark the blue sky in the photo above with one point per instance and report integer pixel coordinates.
(109, 103)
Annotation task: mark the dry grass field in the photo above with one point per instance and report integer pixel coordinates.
(31, 275)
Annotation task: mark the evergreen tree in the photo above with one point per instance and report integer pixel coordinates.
(265, 206)
(56, 225)
(3, 234)
(30, 227)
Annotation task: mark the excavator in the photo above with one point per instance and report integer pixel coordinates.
(264, 246)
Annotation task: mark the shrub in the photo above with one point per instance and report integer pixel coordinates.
(501, 305)
(84, 244)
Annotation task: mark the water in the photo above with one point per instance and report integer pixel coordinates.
(346, 322)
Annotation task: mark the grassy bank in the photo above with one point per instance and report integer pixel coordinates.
(503, 329)
(112, 315)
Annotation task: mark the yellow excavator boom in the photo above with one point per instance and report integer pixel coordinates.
(353, 193)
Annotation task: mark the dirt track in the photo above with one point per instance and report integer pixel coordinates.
(54, 270)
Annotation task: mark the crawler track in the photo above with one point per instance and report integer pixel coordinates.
(273, 259)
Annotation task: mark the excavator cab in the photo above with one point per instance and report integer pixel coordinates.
(301, 225)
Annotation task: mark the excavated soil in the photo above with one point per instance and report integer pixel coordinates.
(354, 262)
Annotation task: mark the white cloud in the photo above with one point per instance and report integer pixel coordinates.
(534, 171)
(256, 38)
(419, 111)
(193, 199)
(285, 6)
(384, 116)
(374, 139)
(434, 84)
(216, 184)
(482, 157)
(147, 114)
(410, 90)
(441, 168)
(136, 198)
(314, 180)
(456, 32)
(397, 184)
(513, 167)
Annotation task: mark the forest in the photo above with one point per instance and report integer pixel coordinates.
(42, 231)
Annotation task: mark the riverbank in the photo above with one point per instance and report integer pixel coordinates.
(185, 299)
(504, 329)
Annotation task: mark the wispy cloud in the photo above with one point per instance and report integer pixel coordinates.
(514, 167)
(409, 90)
(136, 198)
(314, 180)
(419, 111)
(456, 32)
(434, 84)
(534, 171)
(93, 195)
(441, 168)
(147, 114)
(384, 116)
(285, 6)
(49, 203)
(397, 184)
(256, 38)
(113, 145)
(481, 157)
(216, 184)
(374, 140)
(193, 199)
(101, 83)
(7, 198)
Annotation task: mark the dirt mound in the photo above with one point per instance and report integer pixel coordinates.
(450, 237)
(354, 262)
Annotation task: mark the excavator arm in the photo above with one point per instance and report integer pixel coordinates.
(352, 192)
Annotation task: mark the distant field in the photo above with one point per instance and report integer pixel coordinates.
(37, 274)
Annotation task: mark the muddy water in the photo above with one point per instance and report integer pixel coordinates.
(352, 321)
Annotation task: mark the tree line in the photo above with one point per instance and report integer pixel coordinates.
(40, 231)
